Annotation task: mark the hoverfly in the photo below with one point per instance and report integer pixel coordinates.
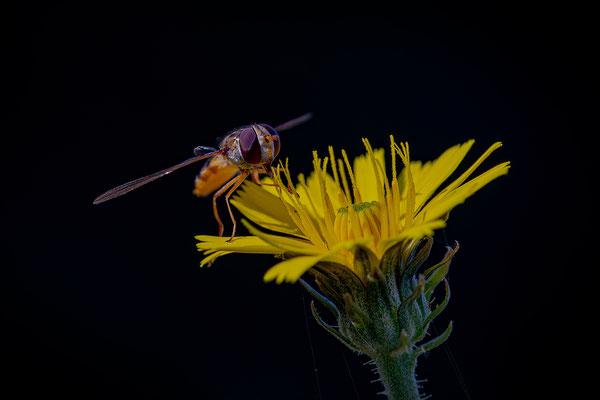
(246, 151)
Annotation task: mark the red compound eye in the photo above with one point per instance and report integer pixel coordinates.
(274, 137)
(250, 146)
(276, 144)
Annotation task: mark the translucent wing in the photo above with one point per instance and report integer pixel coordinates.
(293, 123)
(136, 183)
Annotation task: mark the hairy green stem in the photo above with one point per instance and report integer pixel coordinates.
(398, 376)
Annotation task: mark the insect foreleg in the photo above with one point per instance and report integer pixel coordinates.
(239, 181)
(256, 179)
(262, 170)
(217, 195)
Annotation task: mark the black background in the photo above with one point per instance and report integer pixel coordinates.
(109, 302)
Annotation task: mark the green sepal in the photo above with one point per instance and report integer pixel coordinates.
(421, 256)
(366, 264)
(334, 280)
(414, 295)
(433, 343)
(438, 272)
(341, 277)
(408, 250)
(328, 288)
(405, 345)
(440, 307)
(391, 259)
(330, 328)
(447, 258)
(356, 315)
(324, 300)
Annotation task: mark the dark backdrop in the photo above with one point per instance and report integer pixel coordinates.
(109, 302)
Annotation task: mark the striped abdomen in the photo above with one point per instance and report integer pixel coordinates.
(213, 175)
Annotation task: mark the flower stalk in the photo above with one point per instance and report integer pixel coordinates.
(397, 374)
(383, 309)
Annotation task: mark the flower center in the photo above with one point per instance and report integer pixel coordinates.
(365, 205)
(364, 222)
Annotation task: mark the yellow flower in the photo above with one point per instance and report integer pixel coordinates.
(324, 217)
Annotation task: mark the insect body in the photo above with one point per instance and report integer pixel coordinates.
(248, 150)
(215, 173)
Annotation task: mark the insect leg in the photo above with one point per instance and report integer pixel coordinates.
(256, 179)
(240, 179)
(262, 170)
(216, 196)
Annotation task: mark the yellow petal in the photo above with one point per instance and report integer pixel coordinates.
(313, 191)
(365, 175)
(417, 231)
(471, 169)
(291, 270)
(239, 244)
(431, 175)
(441, 205)
(264, 208)
(269, 188)
(284, 243)
(213, 257)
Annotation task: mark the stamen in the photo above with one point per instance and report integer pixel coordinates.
(386, 182)
(328, 213)
(379, 185)
(378, 182)
(411, 193)
(290, 209)
(303, 185)
(288, 176)
(357, 197)
(344, 182)
(337, 225)
(297, 208)
(376, 209)
(388, 225)
(355, 225)
(374, 227)
(364, 225)
(393, 145)
(333, 165)
(345, 233)
(396, 200)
